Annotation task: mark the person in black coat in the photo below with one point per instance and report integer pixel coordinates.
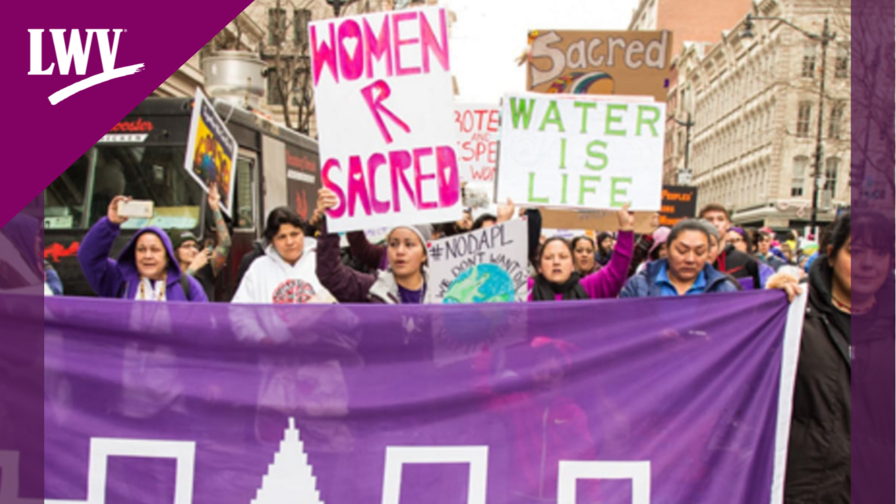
(845, 288)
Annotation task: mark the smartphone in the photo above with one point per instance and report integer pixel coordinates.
(135, 208)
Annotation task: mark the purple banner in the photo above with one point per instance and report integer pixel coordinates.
(658, 400)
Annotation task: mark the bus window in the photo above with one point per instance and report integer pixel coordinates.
(66, 198)
(245, 193)
(147, 173)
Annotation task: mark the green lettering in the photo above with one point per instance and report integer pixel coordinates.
(552, 116)
(564, 176)
(533, 199)
(562, 153)
(622, 192)
(594, 153)
(585, 106)
(518, 109)
(649, 122)
(585, 189)
(612, 119)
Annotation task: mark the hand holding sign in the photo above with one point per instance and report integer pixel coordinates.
(626, 219)
(326, 199)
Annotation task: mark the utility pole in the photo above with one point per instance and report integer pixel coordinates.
(826, 37)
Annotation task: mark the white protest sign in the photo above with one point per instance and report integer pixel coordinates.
(578, 151)
(484, 266)
(383, 93)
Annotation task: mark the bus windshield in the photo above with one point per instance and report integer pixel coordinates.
(81, 195)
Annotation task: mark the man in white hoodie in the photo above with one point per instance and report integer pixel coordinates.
(286, 273)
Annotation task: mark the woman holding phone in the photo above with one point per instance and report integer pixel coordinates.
(146, 270)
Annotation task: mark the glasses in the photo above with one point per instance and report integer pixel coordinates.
(190, 245)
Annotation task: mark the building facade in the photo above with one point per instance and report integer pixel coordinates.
(755, 113)
(688, 20)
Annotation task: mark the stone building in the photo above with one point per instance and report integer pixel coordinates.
(754, 103)
(688, 20)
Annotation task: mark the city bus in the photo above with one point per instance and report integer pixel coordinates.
(143, 157)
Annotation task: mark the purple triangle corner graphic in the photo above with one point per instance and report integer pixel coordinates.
(46, 135)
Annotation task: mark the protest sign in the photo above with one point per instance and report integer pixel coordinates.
(580, 152)
(598, 220)
(342, 404)
(302, 180)
(383, 93)
(488, 265)
(211, 151)
(477, 142)
(679, 202)
(595, 62)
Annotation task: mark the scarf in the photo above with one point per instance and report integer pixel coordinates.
(547, 291)
(148, 290)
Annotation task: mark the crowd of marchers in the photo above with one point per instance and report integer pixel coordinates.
(847, 270)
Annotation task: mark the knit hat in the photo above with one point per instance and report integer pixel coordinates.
(423, 231)
(739, 231)
(178, 238)
(709, 228)
(659, 237)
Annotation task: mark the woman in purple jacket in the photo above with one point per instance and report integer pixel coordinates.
(557, 278)
(145, 269)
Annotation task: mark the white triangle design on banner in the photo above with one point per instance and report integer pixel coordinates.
(289, 479)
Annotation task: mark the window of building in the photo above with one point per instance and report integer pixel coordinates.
(798, 181)
(276, 26)
(809, 59)
(804, 119)
(836, 123)
(301, 18)
(832, 168)
(841, 66)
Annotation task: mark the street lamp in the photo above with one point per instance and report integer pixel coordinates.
(824, 37)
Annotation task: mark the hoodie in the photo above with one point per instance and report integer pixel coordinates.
(271, 280)
(109, 277)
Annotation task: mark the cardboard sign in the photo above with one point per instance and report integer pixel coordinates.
(211, 151)
(302, 180)
(384, 93)
(610, 63)
(679, 202)
(485, 266)
(581, 152)
(598, 220)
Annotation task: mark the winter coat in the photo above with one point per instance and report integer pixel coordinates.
(607, 282)
(818, 456)
(112, 278)
(644, 284)
(350, 286)
(271, 280)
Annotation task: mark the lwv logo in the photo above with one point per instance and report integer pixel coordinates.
(77, 53)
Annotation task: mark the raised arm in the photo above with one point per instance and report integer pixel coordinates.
(608, 282)
(344, 283)
(99, 269)
(367, 253)
(222, 251)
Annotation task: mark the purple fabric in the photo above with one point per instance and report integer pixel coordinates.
(689, 384)
(107, 276)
